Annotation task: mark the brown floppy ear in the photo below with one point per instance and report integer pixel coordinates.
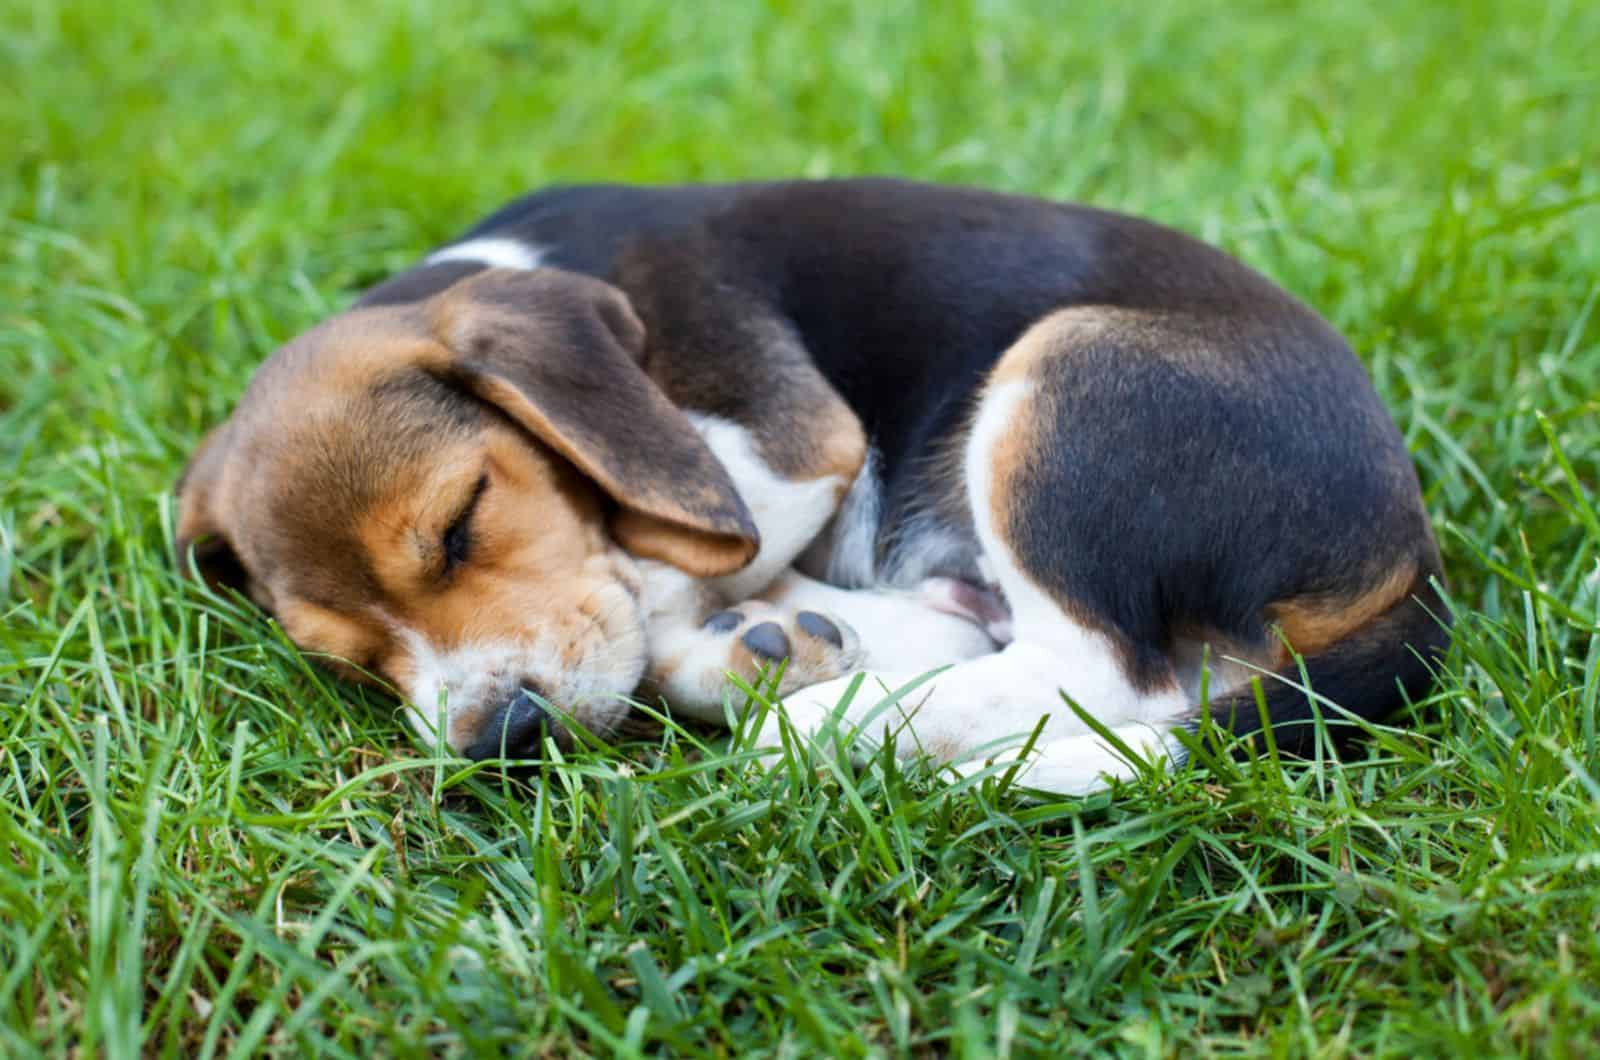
(559, 353)
(200, 531)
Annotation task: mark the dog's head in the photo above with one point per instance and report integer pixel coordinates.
(446, 495)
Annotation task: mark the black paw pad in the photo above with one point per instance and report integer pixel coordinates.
(767, 641)
(722, 621)
(820, 627)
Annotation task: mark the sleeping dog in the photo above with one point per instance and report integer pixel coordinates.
(622, 441)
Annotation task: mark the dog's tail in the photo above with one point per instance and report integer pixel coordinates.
(1369, 674)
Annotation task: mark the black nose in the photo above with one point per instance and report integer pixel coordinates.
(516, 730)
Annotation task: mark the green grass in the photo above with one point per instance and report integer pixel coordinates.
(207, 846)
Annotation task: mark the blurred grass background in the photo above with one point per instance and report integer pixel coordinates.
(205, 846)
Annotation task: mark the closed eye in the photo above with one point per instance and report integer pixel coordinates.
(457, 540)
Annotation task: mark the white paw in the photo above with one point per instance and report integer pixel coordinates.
(690, 666)
(756, 636)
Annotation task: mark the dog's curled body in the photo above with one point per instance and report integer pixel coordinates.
(864, 425)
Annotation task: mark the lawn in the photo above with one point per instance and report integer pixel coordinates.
(208, 847)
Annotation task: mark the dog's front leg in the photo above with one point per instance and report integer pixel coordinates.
(697, 637)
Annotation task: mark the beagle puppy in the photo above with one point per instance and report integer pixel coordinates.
(624, 441)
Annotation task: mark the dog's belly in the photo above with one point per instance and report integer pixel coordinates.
(919, 552)
(870, 544)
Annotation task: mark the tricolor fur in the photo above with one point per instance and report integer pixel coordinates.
(623, 441)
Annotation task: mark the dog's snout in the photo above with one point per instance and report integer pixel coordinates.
(516, 730)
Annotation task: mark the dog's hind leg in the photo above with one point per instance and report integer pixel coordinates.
(985, 705)
(991, 706)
